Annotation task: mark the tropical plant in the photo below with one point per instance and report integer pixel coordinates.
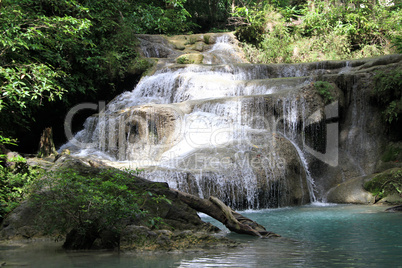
(324, 89)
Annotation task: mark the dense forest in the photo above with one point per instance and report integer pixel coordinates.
(57, 53)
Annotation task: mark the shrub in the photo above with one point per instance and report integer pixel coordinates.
(87, 205)
(182, 60)
(191, 41)
(386, 183)
(324, 89)
(388, 94)
(397, 43)
(16, 178)
(321, 32)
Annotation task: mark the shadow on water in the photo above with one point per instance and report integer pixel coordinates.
(319, 235)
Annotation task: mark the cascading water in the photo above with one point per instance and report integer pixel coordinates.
(224, 128)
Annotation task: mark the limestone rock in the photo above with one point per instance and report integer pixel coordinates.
(193, 58)
(351, 191)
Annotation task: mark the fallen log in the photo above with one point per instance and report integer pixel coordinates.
(234, 221)
(394, 209)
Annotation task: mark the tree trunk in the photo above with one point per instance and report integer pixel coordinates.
(46, 144)
(234, 221)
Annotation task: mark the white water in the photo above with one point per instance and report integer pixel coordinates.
(210, 129)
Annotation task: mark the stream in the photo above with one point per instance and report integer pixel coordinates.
(315, 235)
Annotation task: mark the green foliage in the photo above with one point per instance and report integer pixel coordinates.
(92, 203)
(361, 22)
(15, 180)
(252, 23)
(207, 39)
(388, 94)
(68, 50)
(155, 18)
(7, 141)
(33, 51)
(318, 31)
(397, 41)
(211, 16)
(385, 184)
(182, 60)
(391, 153)
(191, 41)
(324, 89)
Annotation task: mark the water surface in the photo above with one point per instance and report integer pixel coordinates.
(318, 235)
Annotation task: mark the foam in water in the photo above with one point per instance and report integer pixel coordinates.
(208, 130)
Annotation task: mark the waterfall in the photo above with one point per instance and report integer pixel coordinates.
(225, 128)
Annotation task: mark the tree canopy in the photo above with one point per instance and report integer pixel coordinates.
(62, 50)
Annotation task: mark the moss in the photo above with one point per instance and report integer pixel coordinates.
(387, 93)
(392, 153)
(207, 39)
(384, 184)
(191, 41)
(325, 90)
(143, 239)
(182, 60)
(141, 66)
(192, 58)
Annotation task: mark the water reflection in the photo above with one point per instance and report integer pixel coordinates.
(312, 236)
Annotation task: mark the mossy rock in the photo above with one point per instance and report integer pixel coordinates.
(391, 157)
(386, 186)
(166, 215)
(392, 153)
(141, 238)
(193, 58)
(351, 192)
(326, 90)
(199, 46)
(178, 44)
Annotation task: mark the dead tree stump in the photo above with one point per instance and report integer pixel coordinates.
(46, 144)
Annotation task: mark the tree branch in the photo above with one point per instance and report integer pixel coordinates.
(234, 221)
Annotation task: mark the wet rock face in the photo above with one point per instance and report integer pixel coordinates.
(351, 192)
(276, 176)
(195, 126)
(381, 188)
(362, 131)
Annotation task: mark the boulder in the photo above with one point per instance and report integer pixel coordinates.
(193, 58)
(351, 191)
(386, 186)
(175, 224)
